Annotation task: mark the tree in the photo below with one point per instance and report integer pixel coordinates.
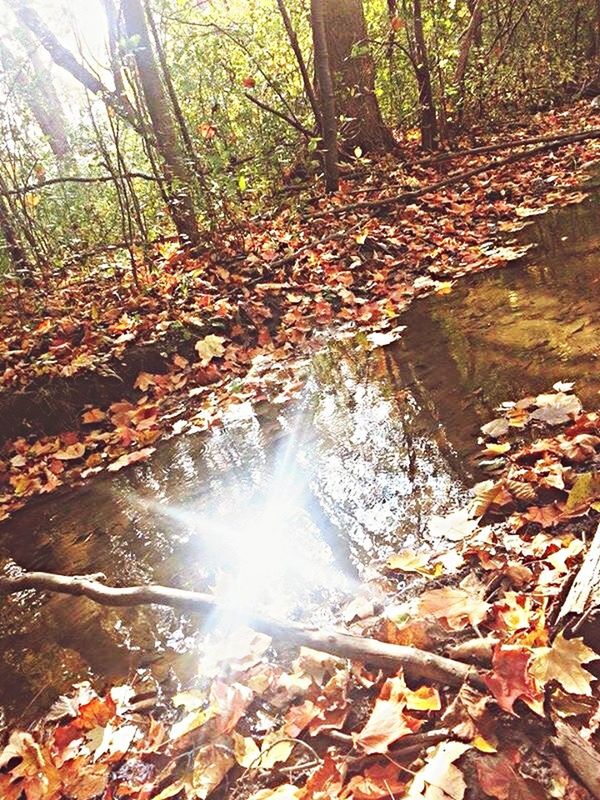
(471, 36)
(34, 84)
(14, 249)
(420, 57)
(177, 174)
(353, 74)
(328, 118)
(63, 57)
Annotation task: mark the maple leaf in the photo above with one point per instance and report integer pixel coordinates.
(562, 662)
(326, 781)
(496, 428)
(411, 561)
(510, 679)
(556, 409)
(71, 452)
(456, 607)
(34, 775)
(498, 778)
(208, 348)
(375, 783)
(92, 416)
(546, 516)
(441, 774)
(131, 458)
(387, 722)
(489, 493)
(455, 526)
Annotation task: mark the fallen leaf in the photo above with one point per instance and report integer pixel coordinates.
(440, 774)
(510, 679)
(562, 662)
(456, 607)
(208, 348)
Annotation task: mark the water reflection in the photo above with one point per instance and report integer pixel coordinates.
(514, 331)
(278, 511)
(287, 509)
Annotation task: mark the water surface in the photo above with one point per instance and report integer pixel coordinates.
(285, 509)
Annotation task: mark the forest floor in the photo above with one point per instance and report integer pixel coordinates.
(95, 372)
(227, 326)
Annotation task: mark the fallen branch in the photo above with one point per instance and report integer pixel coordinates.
(508, 144)
(460, 177)
(420, 663)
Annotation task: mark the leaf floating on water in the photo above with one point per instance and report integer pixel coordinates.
(131, 458)
(556, 409)
(379, 339)
(455, 526)
(564, 386)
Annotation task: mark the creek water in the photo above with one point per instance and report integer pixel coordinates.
(286, 509)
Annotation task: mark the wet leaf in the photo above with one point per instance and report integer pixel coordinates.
(455, 526)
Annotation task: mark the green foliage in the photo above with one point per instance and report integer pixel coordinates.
(526, 56)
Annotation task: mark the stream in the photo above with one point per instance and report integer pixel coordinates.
(286, 508)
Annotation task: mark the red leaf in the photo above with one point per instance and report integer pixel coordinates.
(509, 679)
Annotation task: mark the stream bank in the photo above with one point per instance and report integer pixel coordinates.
(381, 440)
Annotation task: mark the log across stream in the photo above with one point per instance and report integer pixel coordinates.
(285, 510)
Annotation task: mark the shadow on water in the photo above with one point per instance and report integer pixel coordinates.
(282, 509)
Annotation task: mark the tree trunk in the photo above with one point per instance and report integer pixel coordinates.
(328, 113)
(353, 73)
(37, 90)
(428, 123)
(308, 86)
(112, 23)
(177, 174)
(65, 59)
(469, 38)
(16, 252)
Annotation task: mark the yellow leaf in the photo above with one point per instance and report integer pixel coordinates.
(275, 748)
(208, 348)
(484, 745)
(444, 287)
(409, 561)
(245, 750)
(425, 698)
(562, 662)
